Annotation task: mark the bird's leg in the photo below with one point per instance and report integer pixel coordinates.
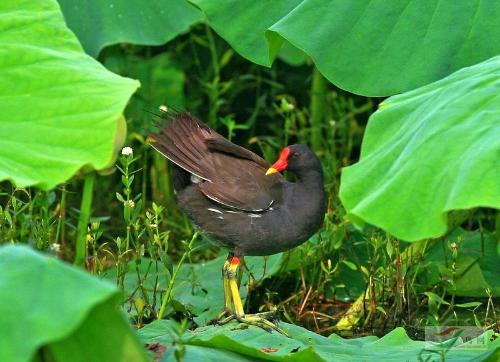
(269, 315)
(232, 277)
(228, 300)
(228, 307)
(239, 313)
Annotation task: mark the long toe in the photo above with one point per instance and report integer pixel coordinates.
(261, 322)
(226, 320)
(224, 316)
(269, 315)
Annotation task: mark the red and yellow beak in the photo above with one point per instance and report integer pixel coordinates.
(281, 164)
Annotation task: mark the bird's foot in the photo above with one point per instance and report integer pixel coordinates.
(234, 306)
(270, 315)
(264, 320)
(221, 318)
(261, 320)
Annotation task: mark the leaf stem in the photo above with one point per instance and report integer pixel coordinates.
(83, 219)
(168, 292)
(160, 181)
(317, 107)
(213, 87)
(61, 217)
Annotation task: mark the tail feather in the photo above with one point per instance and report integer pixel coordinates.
(181, 140)
(198, 146)
(174, 154)
(175, 158)
(184, 136)
(229, 168)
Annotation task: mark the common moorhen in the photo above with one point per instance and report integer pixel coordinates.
(239, 200)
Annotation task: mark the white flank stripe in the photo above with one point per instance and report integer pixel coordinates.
(215, 210)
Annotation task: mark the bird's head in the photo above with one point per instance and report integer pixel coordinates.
(293, 158)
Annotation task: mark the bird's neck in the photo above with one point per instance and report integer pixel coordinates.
(308, 202)
(312, 178)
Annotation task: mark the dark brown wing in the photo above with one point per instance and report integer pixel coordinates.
(234, 176)
(220, 144)
(182, 141)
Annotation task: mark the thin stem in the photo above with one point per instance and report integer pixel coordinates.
(213, 50)
(83, 220)
(62, 216)
(168, 293)
(127, 202)
(162, 191)
(318, 109)
(213, 89)
(144, 178)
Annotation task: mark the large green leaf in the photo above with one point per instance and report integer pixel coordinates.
(60, 311)
(58, 107)
(475, 266)
(162, 82)
(427, 152)
(105, 22)
(366, 47)
(198, 287)
(257, 345)
(244, 23)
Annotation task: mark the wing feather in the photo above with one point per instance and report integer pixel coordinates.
(236, 176)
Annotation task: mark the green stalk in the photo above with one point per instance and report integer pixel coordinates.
(60, 231)
(213, 50)
(318, 108)
(127, 211)
(410, 256)
(168, 293)
(84, 218)
(160, 181)
(213, 91)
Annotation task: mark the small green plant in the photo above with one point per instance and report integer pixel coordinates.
(130, 245)
(168, 293)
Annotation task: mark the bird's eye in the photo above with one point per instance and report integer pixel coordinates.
(295, 154)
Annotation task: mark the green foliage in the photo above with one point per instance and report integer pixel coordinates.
(467, 261)
(101, 23)
(162, 82)
(27, 217)
(364, 47)
(51, 310)
(197, 286)
(254, 344)
(246, 35)
(428, 152)
(59, 108)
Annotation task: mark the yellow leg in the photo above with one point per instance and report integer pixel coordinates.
(228, 305)
(232, 275)
(228, 310)
(231, 281)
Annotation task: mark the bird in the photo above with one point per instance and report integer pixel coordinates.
(240, 201)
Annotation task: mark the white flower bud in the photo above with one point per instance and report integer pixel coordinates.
(55, 247)
(127, 151)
